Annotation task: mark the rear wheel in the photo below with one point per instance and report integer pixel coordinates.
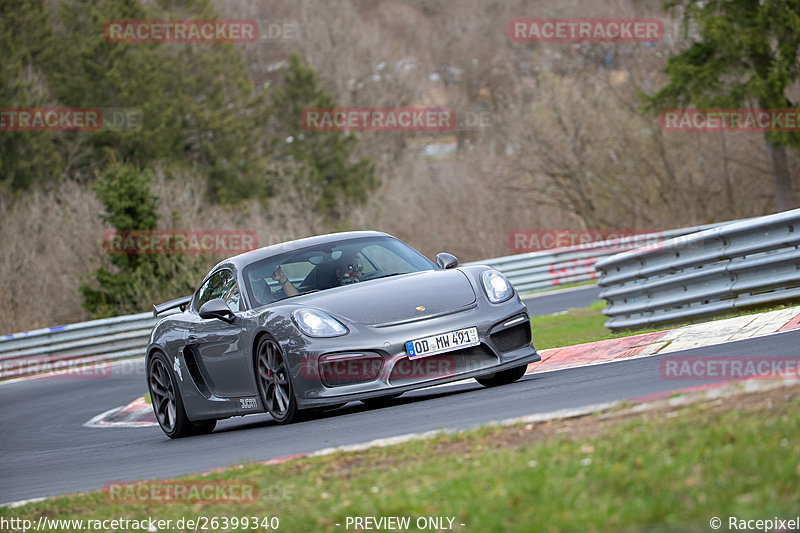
(166, 398)
(274, 384)
(503, 377)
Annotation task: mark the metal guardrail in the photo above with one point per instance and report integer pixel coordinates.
(547, 269)
(746, 263)
(127, 336)
(31, 352)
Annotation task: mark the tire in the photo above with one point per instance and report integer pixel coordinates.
(166, 398)
(380, 401)
(274, 383)
(502, 378)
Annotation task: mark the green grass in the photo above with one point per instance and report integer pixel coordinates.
(574, 327)
(653, 473)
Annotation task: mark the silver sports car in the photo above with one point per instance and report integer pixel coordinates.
(318, 322)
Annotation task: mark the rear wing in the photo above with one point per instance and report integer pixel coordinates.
(172, 304)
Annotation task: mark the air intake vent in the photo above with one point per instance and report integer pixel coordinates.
(513, 337)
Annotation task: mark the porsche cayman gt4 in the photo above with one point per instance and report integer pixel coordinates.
(318, 322)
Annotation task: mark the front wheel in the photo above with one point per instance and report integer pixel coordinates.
(503, 377)
(274, 384)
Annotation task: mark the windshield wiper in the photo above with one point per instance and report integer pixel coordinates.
(387, 275)
(304, 293)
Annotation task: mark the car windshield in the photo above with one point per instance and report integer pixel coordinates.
(322, 267)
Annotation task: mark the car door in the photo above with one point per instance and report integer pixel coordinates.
(219, 347)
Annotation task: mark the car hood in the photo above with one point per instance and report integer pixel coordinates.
(397, 298)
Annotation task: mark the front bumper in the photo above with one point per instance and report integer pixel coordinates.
(398, 373)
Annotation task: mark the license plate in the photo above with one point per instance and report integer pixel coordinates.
(445, 342)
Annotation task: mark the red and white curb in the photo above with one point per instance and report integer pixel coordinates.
(138, 413)
(667, 341)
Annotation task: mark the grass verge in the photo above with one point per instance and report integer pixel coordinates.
(666, 470)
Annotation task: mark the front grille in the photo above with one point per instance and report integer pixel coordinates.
(442, 365)
(513, 337)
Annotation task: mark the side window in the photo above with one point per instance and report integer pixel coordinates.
(221, 284)
(232, 298)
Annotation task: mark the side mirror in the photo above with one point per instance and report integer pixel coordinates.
(217, 308)
(445, 260)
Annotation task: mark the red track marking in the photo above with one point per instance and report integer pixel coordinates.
(595, 352)
(136, 413)
(792, 324)
(693, 388)
(285, 458)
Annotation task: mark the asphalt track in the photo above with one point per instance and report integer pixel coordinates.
(562, 300)
(45, 450)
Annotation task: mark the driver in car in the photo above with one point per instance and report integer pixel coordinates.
(350, 270)
(286, 286)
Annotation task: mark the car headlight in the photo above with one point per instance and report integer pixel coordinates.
(497, 287)
(318, 323)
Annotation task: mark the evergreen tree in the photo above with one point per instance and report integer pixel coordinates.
(743, 53)
(26, 43)
(325, 158)
(198, 105)
(135, 281)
